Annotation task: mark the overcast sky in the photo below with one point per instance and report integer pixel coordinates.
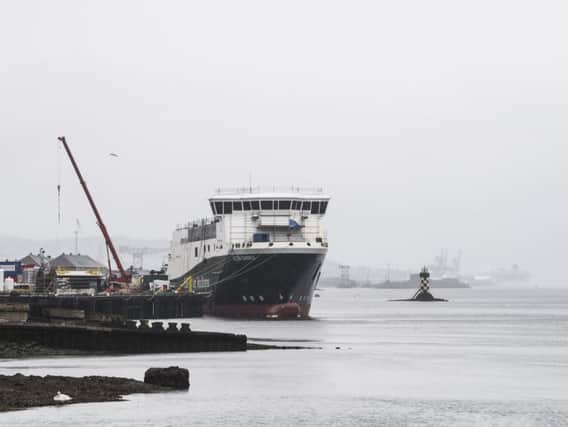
(431, 124)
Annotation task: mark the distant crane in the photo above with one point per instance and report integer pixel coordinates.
(76, 233)
(138, 254)
(344, 271)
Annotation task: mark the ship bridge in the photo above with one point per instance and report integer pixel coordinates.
(256, 215)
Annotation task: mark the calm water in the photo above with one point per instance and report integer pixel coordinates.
(487, 357)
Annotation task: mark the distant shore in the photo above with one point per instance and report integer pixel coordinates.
(21, 391)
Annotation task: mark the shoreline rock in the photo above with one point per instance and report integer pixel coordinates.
(22, 391)
(173, 377)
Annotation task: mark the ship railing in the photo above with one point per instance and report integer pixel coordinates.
(282, 236)
(269, 189)
(196, 223)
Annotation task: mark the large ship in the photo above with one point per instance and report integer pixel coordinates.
(259, 255)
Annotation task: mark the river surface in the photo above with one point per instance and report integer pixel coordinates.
(486, 357)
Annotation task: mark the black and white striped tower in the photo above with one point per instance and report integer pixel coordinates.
(424, 280)
(423, 291)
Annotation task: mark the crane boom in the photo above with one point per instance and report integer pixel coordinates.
(100, 222)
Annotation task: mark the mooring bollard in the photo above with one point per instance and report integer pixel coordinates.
(117, 322)
(157, 326)
(144, 324)
(172, 327)
(130, 324)
(185, 327)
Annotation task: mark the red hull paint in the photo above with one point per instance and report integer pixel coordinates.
(289, 310)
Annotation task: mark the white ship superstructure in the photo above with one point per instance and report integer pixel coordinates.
(258, 250)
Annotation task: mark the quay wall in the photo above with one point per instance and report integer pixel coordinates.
(124, 306)
(14, 312)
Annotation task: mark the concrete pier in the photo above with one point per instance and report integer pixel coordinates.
(125, 339)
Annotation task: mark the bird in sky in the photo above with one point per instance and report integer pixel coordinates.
(113, 154)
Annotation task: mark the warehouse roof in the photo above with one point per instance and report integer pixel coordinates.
(74, 261)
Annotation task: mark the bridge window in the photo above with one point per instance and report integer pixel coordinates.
(315, 207)
(284, 204)
(246, 206)
(266, 204)
(306, 206)
(323, 207)
(219, 208)
(227, 207)
(196, 252)
(260, 237)
(238, 206)
(255, 205)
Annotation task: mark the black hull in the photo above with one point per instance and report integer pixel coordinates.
(260, 285)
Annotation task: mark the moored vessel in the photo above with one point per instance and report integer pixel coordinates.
(259, 255)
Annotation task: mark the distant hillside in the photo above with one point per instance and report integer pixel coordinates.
(17, 247)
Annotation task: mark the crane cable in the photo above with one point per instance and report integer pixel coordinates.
(59, 167)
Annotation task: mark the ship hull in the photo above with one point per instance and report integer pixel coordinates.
(258, 285)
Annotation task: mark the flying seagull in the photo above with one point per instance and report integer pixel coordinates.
(113, 154)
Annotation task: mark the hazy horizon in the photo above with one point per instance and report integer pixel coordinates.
(431, 125)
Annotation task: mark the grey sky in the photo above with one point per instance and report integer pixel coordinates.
(432, 124)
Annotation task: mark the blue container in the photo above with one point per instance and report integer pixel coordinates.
(11, 269)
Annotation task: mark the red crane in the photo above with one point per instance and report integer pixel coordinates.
(124, 276)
